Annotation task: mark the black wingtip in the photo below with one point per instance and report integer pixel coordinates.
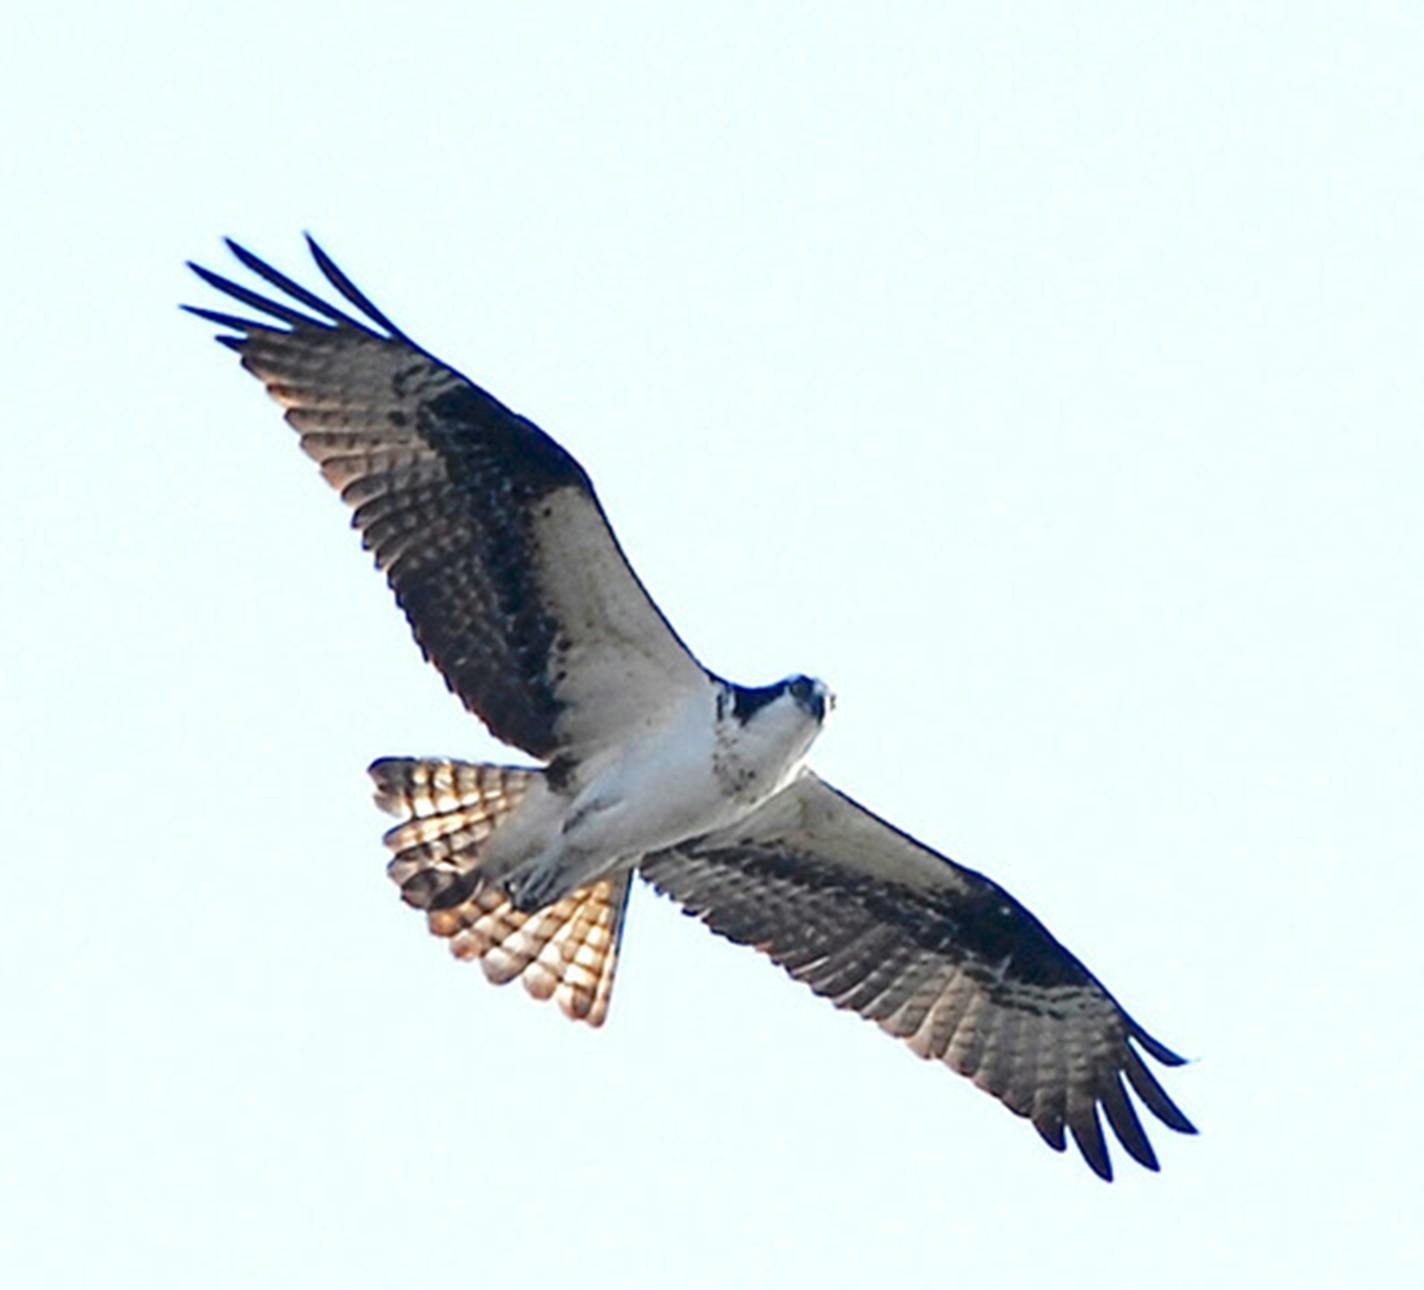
(253, 300)
(1051, 1131)
(206, 274)
(1152, 1095)
(1125, 1125)
(243, 256)
(323, 313)
(1085, 1126)
(348, 289)
(222, 319)
(1158, 1049)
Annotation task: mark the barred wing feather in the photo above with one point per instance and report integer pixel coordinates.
(935, 954)
(489, 532)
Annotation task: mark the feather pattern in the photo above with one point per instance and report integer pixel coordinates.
(566, 951)
(489, 532)
(934, 953)
(495, 545)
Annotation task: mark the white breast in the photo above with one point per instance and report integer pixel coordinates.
(695, 769)
(695, 772)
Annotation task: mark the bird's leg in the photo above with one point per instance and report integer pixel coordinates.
(553, 876)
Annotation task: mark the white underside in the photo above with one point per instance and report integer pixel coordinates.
(674, 779)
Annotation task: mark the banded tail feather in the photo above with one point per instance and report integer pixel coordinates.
(450, 808)
(567, 951)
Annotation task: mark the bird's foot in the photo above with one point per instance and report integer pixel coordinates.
(537, 886)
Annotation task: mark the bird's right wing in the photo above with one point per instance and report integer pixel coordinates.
(488, 531)
(934, 953)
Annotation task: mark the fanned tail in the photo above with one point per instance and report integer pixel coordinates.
(450, 809)
(567, 951)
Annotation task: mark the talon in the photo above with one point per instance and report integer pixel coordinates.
(529, 893)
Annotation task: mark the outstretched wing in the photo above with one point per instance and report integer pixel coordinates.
(488, 531)
(934, 953)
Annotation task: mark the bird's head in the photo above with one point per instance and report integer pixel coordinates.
(774, 726)
(812, 696)
(797, 697)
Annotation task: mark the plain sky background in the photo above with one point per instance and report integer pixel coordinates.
(1047, 378)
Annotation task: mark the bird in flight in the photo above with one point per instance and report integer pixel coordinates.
(516, 589)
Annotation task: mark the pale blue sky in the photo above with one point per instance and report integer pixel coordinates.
(1048, 380)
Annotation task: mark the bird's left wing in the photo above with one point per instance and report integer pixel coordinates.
(934, 953)
(488, 531)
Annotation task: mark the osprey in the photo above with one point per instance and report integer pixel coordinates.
(515, 587)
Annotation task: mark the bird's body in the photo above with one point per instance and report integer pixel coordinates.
(493, 540)
(702, 767)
